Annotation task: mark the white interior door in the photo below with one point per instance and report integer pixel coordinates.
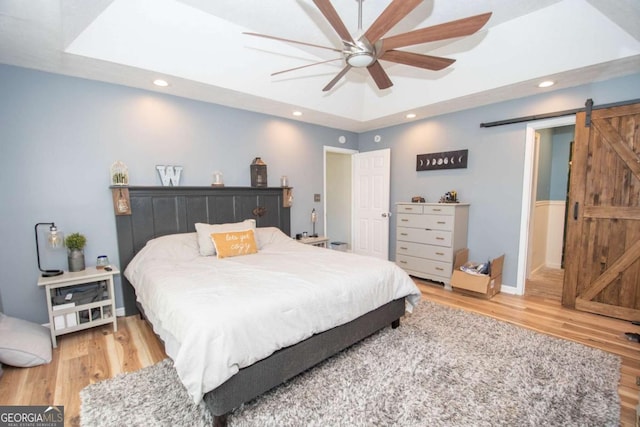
(371, 184)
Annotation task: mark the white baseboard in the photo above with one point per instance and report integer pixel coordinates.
(511, 290)
(119, 311)
(553, 265)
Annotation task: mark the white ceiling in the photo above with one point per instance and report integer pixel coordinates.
(198, 46)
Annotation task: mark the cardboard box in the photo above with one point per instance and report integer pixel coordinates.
(477, 285)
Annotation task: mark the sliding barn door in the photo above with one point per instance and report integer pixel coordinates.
(602, 266)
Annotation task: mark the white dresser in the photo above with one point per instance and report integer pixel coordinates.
(427, 237)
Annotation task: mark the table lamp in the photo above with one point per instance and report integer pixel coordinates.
(314, 219)
(55, 239)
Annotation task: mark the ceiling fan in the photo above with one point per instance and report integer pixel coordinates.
(368, 47)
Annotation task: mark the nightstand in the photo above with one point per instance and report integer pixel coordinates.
(320, 241)
(80, 300)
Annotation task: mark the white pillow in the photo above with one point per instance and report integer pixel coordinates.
(170, 248)
(270, 235)
(23, 344)
(174, 247)
(205, 230)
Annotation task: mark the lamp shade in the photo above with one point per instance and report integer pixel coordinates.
(55, 238)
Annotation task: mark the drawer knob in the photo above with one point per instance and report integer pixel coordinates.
(439, 269)
(440, 253)
(403, 248)
(437, 209)
(439, 238)
(403, 234)
(441, 222)
(403, 262)
(404, 220)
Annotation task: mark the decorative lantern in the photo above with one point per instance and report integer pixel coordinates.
(258, 173)
(119, 174)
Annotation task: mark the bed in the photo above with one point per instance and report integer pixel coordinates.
(238, 326)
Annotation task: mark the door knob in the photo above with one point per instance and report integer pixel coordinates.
(386, 214)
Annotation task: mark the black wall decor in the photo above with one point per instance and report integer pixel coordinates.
(445, 160)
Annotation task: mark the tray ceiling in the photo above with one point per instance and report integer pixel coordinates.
(198, 46)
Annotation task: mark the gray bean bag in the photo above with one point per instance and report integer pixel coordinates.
(23, 343)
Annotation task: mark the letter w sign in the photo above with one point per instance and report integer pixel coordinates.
(169, 175)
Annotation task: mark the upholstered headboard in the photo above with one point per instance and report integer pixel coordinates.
(157, 211)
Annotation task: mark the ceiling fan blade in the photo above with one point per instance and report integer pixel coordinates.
(379, 75)
(291, 41)
(428, 62)
(305, 66)
(335, 80)
(332, 16)
(448, 30)
(397, 10)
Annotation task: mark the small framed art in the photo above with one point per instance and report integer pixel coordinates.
(444, 160)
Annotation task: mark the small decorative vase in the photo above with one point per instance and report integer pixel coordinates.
(76, 259)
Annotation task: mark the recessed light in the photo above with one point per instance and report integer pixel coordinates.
(411, 116)
(161, 83)
(546, 83)
(297, 113)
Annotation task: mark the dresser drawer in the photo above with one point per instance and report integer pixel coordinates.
(429, 237)
(441, 209)
(421, 265)
(431, 222)
(436, 253)
(411, 209)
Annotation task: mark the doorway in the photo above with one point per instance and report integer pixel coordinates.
(338, 196)
(356, 202)
(546, 170)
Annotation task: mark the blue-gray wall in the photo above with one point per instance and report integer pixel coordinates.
(545, 159)
(493, 180)
(59, 136)
(553, 163)
(561, 149)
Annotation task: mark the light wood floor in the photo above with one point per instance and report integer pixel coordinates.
(89, 356)
(545, 282)
(82, 358)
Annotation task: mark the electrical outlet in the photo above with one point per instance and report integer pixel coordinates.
(316, 197)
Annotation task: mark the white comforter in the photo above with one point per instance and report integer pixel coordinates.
(219, 315)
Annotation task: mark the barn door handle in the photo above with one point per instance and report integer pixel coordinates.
(575, 211)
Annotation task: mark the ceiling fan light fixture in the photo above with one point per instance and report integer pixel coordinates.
(360, 59)
(161, 82)
(546, 83)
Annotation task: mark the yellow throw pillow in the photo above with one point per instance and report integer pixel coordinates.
(234, 243)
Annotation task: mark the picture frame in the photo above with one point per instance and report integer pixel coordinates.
(443, 160)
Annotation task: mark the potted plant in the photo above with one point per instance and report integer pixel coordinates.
(75, 243)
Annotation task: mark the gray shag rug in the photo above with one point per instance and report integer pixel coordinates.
(442, 367)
